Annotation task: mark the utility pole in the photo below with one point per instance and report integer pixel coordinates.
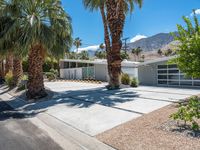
(125, 44)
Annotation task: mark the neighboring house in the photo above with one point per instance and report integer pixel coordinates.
(96, 69)
(153, 73)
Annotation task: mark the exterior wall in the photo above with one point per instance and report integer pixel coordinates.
(75, 73)
(132, 72)
(101, 72)
(147, 74)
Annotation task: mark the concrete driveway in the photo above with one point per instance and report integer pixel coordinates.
(92, 109)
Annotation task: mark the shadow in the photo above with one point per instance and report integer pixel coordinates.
(4, 89)
(186, 131)
(7, 112)
(81, 99)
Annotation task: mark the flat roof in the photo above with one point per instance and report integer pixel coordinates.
(156, 60)
(125, 63)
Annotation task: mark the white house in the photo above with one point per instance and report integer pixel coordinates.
(154, 73)
(96, 69)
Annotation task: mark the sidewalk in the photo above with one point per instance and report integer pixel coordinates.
(65, 135)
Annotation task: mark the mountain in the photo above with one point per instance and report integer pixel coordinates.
(152, 43)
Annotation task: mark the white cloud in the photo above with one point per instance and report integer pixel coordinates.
(138, 37)
(197, 11)
(91, 48)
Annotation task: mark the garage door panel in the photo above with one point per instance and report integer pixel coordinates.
(170, 75)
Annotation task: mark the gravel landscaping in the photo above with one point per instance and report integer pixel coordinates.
(150, 132)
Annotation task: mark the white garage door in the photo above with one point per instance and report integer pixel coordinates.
(170, 75)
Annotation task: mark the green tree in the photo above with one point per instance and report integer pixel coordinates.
(113, 15)
(77, 43)
(45, 28)
(102, 47)
(124, 55)
(188, 52)
(136, 51)
(83, 55)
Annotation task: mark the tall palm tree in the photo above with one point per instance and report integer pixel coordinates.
(101, 46)
(138, 52)
(45, 28)
(133, 51)
(113, 15)
(10, 48)
(116, 15)
(5, 45)
(77, 43)
(100, 5)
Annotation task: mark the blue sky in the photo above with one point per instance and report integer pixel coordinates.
(155, 16)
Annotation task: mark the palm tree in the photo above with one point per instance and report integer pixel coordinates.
(160, 52)
(133, 51)
(113, 15)
(101, 46)
(84, 55)
(10, 48)
(138, 52)
(77, 43)
(100, 5)
(45, 28)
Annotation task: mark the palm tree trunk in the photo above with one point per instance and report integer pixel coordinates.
(1, 69)
(107, 40)
(9, 62)
(35, 84)
(116, 19)
(17, 70)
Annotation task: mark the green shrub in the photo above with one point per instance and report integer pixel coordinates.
(24, 77)
(125, 79)
(54, 71)
(22, 84)
(9, 79)
(134, 82)
(189, 112)
(50, 76)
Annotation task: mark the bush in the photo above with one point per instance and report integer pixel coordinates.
(134, 82)
(50, 76)
(54, 71)
(22, 84)
(125, 79)
(9, 79)
(189, 112)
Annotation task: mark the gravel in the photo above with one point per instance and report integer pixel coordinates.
(146, 133)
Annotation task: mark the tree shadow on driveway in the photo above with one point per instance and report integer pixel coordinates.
(81, 99)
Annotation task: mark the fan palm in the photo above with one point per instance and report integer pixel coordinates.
(100, 5)
(77, 43)
(84, 55)
(116, 14)
(113, 14)
(45, 28)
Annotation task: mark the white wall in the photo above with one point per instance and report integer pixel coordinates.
(75, 73)
(101, 72)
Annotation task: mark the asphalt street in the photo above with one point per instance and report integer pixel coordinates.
(18, 133)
